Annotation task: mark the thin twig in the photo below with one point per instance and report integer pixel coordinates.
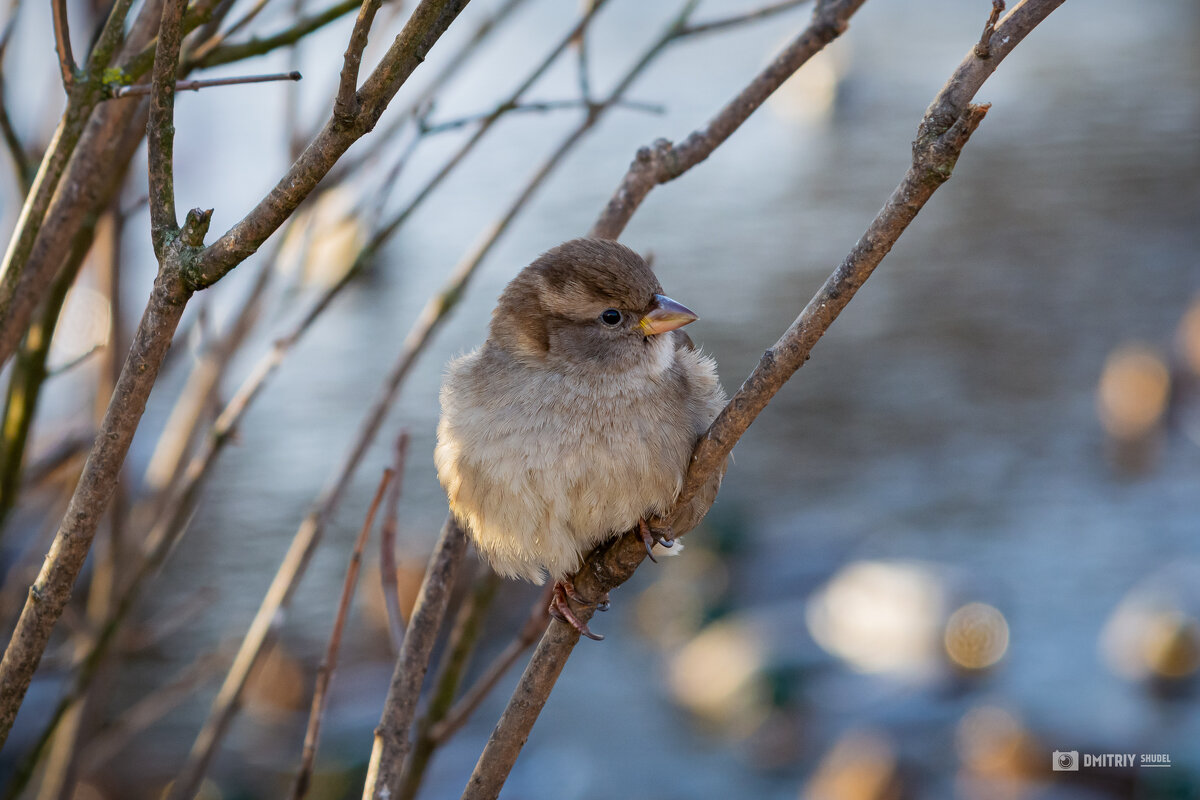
(664, 162)
(29, 374)
(107, 743)
(345, 105)
(392, 741)
(387, 548)
(740, 19)
(943, 132)
(581, 67)
(423, 98)
(535, 107)
(398, 219)
(429, 20)
(214, 52)
(67, 366)
(31, 261)
(62, 42)
(196, 85)
(198, 397)
(471, 699)
(22, 168)
(984, 48)
(460, 646)
(312, 734)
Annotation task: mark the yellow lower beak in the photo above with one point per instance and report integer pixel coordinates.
(667, 315)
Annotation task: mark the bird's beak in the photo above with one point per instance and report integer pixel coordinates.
(667, 315)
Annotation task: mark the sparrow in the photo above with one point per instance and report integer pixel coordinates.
(575, 421)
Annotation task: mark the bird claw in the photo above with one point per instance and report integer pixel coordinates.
(560, 609)
(652, 536)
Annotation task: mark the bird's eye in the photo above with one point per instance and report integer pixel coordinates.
(611, 317)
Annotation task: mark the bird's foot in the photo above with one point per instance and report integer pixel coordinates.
(568, 586)
(560, 609)
(652, 536)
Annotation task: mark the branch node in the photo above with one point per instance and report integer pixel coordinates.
(984, 48)
(195, 226)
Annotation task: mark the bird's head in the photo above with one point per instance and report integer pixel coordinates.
(587, 301)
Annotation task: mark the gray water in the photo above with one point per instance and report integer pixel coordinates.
(947, 418)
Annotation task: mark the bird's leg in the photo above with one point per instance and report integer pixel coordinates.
(560, 609)
(651, 536)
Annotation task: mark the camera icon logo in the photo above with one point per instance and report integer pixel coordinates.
(1065, 761)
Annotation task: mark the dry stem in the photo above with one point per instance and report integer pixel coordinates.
(312, 734)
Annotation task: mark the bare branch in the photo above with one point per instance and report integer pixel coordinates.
(214, 52)
(934, 154)
(664, 162)
(450, 68)
(397, 220)
(535, 107)
(196, 85)
(387, 548)
(62, 42)
(160, 133)
(460, 646)
(345, 105)
(984, 49)
(29, 373)
(108, 743)
(22, 168)
(426, 25)
(471, 699)
(312, 734)
(740, 19)
(392, 741)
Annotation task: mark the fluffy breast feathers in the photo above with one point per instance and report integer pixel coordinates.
(540, 466)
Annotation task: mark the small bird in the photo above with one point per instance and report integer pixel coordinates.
(576, 419)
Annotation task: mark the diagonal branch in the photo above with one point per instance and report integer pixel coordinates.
(428, 21)
(387, 548)
(345, 105)
(944, 130)
(742, 18)
(664, 162)
(197, 85)
(62, 42)
(312, 735)
(215, 52)
(392, 742)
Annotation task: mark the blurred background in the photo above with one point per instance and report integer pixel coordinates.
(964, 536)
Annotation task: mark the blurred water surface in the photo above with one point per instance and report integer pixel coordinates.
(946, 420)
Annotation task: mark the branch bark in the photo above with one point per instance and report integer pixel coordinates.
(387, 548)
(62, 42)
(392, 742)
(943, 131)
(325, 673)
(49, 594)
